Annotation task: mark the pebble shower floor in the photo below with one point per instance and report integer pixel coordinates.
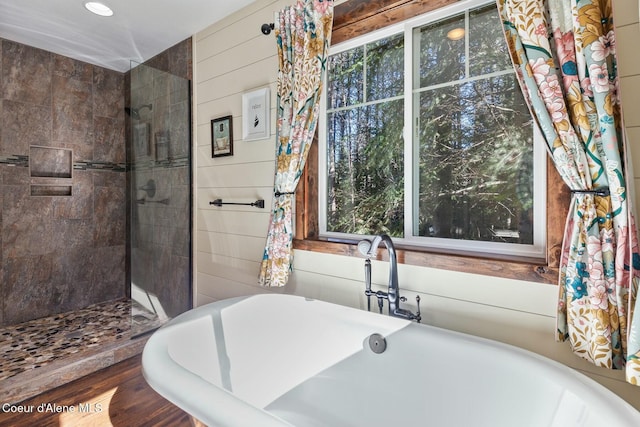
(36, 343)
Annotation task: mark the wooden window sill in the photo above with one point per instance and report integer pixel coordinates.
(524, 269)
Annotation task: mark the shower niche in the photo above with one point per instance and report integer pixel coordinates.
(50, 171)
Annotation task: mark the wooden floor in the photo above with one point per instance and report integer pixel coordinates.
(116, 396)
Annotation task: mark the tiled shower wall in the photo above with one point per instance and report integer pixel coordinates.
(60, 253)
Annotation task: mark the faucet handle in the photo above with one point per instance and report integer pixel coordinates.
(418, 317)
(380, 302)
(381, 297)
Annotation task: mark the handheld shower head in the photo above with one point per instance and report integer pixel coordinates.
(368, 248)
(364, 246)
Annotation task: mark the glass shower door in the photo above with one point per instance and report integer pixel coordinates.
(159, 115)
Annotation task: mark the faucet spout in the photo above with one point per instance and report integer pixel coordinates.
(369, 249)
(393, 294)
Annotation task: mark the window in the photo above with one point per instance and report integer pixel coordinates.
(425, 136)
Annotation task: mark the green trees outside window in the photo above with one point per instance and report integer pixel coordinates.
(471, 135)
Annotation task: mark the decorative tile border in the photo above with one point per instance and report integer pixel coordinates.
(15, 160)
(183, 161)
(172, 162)
(102, 166)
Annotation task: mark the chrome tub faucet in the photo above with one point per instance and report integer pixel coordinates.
(369, 249)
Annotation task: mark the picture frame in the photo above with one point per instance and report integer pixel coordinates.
(141, 139)
(222, 136)
(256, 115)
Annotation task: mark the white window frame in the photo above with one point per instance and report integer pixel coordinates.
(536, 250)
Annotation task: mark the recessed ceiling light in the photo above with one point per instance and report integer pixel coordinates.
(456, 34)
(98, 8)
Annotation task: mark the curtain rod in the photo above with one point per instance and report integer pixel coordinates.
(266, 28)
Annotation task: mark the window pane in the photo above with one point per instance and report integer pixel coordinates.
(385, 68)
(365, 188)
(487, 46)
(345, 76)
(441, 58)
(472, 150)
(476, 162)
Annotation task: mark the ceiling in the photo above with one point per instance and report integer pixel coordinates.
(138, 30)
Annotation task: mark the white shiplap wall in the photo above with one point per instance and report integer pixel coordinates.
(232, 57)
(627, 37)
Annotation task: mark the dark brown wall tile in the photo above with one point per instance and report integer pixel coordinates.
(70, 68)
(109, 179)
(159, 62)
(80, 204)
(2, 167)
(176, 60)
(81, 151)
(26, 222)
(2, 152)
(108, 269)
(180, 62)
(169, 268)
(27, 288)
(179, 128)
(74, 265)
(24, 125)
(109, 93)
(109, 140)
(162, 88)
(109, 216)
(26, 73)
(72, 111)
(15, 175)
(1, 125)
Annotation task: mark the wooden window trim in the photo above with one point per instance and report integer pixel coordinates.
(357, 17)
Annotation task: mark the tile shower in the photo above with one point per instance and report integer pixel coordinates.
(60, 253)
(68, 222)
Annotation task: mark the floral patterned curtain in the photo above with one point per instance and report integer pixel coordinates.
(564, 54)
(303, 34)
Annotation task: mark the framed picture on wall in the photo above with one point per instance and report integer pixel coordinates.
(222, 137)
(255, 115)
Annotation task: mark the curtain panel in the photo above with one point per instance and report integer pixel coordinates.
(303, 35)
(564, 55)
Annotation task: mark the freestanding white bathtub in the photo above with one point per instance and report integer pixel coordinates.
(280, 360)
